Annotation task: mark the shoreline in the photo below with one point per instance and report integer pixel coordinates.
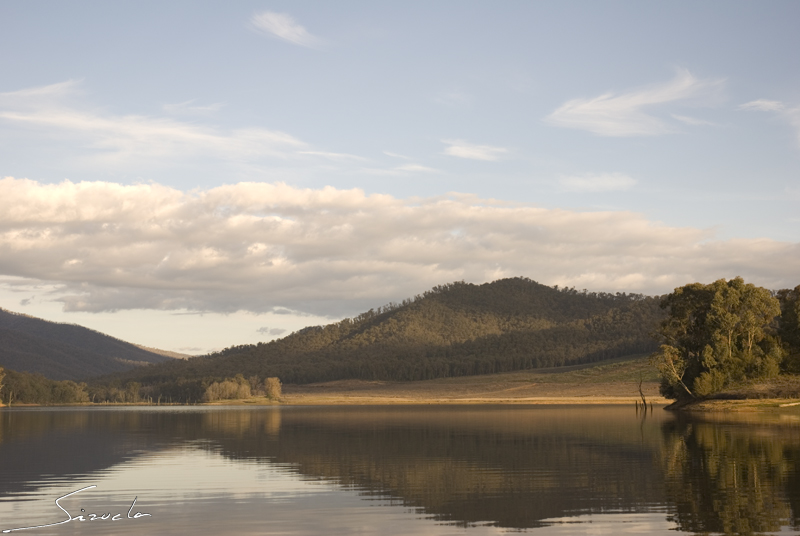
(345, 400)
(782, 406)
(749, 405)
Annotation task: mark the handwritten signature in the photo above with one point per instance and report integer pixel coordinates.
(89, 517)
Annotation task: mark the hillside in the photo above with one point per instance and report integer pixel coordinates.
(64, 351)
(459, 329)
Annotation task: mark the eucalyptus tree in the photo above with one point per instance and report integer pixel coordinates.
(789, 328)
(715, 336)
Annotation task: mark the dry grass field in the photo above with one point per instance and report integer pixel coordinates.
(609, 382)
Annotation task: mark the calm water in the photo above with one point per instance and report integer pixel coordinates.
(397, 471)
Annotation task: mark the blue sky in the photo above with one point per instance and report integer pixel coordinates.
(191, 175)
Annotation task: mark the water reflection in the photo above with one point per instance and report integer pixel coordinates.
(541, 468)
(732, 477)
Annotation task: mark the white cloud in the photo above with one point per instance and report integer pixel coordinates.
(624, 114)
(50, 92)
(270, 247)
(124, 139)
(397, 171)
(763, 105)
(395, 155)
(604, 182)
(284, 27)
(463, 149)
(416, 168)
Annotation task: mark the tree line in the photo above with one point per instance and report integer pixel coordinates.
(32, 388)
(27, 388)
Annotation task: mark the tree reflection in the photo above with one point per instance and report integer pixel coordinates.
(731, 478)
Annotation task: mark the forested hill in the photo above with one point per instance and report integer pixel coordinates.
(456, 329)
(64, 351)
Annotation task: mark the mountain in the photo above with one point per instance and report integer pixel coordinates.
(65, 351)
(456, 329)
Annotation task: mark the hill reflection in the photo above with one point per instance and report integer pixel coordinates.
(510, 467)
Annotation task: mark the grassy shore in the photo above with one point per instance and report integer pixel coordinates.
(783, 405)
(610, 382)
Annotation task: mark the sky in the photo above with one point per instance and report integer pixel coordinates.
(195, 175)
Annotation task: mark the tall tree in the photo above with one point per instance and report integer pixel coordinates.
(789, 327)
(717, 335)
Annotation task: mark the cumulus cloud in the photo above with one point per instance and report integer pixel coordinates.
(284, 27)
(604, 182)
(262, 247)
(121, 139)
(463, 149)
(625, 114)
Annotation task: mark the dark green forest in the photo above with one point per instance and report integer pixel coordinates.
(27, 388)
(457, 329)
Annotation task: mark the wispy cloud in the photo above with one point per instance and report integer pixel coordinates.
(190, 108)
(122, 139)
(333, 156)
(455, 99)
(284, 27)
(789, 113)
(41, 93)
(416, 168)
(463, 149)
(270, 247)
(405, 169)
(692, 121)
(626, 114)
(395, 155)
(604, 182)
(763, 105)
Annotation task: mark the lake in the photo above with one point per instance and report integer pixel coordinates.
(433, 470)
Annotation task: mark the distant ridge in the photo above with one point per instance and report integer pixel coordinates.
(165, 353)
(65, 351)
